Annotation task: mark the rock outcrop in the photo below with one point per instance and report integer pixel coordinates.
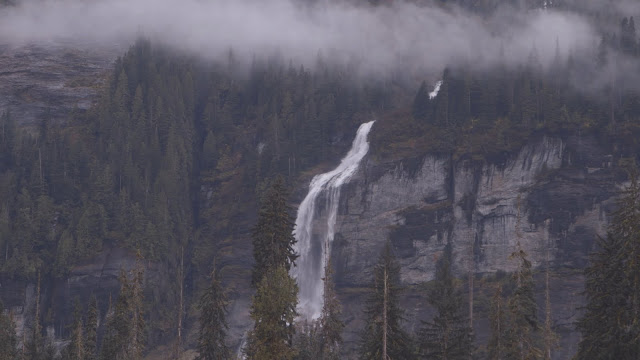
(551, 198)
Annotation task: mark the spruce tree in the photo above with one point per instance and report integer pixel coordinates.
(213, 329)
(8, 337)
(383, 336)
(331, 324)
(273, 310)
(610, 325)
(498, 326)
(76, 348)
(308, 342)
(35, 346)
(523, 326)
(448, 335)
(273, 238)
(124, 334)
(91, 333)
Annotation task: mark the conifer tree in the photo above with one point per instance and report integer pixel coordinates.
(136, 309)
(273, 238)
(308, 343)
(448, 335)
(124, 334)
(35, 346)
(523, 325)
(273, 310)
(610, 326)
(331, 324)
(76, 348)
(498, 326)
(383, 336)
(91, 333)
(8, 337)
(213, 329)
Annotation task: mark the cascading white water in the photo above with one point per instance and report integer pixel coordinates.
(313, 247)
(436, 90)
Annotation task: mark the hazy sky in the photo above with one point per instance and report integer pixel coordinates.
(379, 40)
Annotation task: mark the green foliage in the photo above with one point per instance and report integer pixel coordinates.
(213, 328)
(273, 238)
(124, 336)
(522, 342)
(383, 333)
(498, 325)
(308, 341)
(448, 336)
(76, 349)
(330, 322)
(610, 325)
(91, 333)
(273, 310)
(8, 337)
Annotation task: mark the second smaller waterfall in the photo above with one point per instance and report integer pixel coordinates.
(311, 247)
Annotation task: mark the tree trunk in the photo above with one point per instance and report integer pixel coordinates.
(384, 314)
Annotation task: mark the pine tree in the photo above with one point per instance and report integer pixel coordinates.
(273, 310)
(76, 350)
(308, 342)
(523, 325)
(135, 346)
(448, 335)
(550, 337)
(383, 336)
(601, 332)
(610, 326)
(273, 238)
(91, 333)
(498, 325)
(124, 334)
(331, 324)
(213, 329)
(8, 337)
(35, 346)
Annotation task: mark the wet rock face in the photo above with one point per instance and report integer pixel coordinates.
(38, 81)
(551, 197)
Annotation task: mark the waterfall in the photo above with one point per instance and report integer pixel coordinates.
(313, 247)
(436, 90)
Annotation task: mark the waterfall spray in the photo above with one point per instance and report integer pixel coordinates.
(313, 248)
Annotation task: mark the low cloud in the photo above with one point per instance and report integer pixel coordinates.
(382, 40)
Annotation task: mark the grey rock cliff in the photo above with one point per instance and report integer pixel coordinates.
(551, 198)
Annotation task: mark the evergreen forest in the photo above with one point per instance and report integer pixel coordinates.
(181, 160)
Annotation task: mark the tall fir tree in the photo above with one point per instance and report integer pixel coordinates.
(610, 325)
(273, 238)
(496, 347)
(36, 344)
(91, 333)
(273, 311)
(523, 325)
(448, 336)
(383, 336)
(331, 325)
(213, 325)
(124, 334)
(8, 337)
(76, 348)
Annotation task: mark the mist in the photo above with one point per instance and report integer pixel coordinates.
(399, 37)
